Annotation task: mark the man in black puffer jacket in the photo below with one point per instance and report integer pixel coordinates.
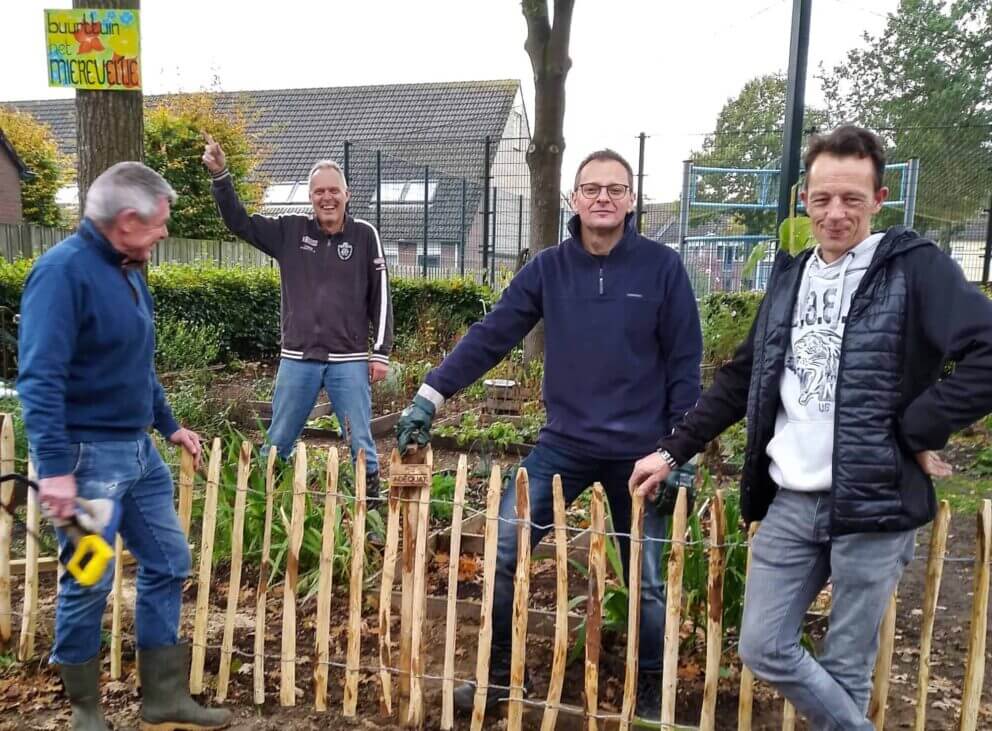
(842, 379)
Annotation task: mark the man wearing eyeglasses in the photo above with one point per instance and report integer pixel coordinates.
(621, 364)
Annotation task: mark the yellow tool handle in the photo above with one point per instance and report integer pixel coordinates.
(90, 555)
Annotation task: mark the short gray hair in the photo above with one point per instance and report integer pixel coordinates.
(126, 185)
(326, 165)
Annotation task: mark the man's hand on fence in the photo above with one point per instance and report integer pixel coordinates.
(414, 427)
(649, 472)
(377, 371)
(931, 464)
(213, 155)
(58, 496)
(190, 441)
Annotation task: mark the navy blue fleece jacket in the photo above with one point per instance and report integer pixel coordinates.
(86, 355)
(622, 344)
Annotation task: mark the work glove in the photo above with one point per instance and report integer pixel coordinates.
(414, 427)
(684, 476)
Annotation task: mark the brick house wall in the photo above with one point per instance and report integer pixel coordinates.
(11, 210)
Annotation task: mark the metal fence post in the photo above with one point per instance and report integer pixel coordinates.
(347, 160)
(913, 173)
(485, 210)
(378, 192)
(684, 208)
(794, 103)
(988, 244)
(640, 183)
(520, 225)
(427, 203)
(492, 257)
(461, 245)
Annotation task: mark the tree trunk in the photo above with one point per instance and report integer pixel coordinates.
(547, 47)
(109, 124)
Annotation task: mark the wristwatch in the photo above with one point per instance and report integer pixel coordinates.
(667, 456)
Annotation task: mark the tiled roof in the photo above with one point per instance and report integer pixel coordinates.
(443, 125)
(440, 123)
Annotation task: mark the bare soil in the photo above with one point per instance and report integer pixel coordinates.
(31, 696)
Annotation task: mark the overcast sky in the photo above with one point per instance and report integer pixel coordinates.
(664, 67)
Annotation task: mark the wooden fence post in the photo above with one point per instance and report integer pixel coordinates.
(935, 570)
(287, 687)
(521, 594)
(7, 453)
(186, 477)
(714, 619)
(746, 697)
(326, 581)
(395, 514)
(883, 666)
(115, 622)
(486, 611)
(454, 556)
(633, 610)
(409, 537)
(971, 697)
(594, 611)
(355, 590)
(206, 560)
(258, 673)
(561, 609)
(29, 612)
(415, 710)
(788, 716)
(234, 585)
(673, 617)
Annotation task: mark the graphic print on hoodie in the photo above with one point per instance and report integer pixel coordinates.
(801, 451)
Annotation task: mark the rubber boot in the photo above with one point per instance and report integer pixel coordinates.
(166, 703)
(648, 706)
(499, 685)
(82, 685)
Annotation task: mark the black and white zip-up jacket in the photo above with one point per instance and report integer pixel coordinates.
(335, 289)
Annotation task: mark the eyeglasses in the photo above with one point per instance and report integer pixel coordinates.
(616, 191)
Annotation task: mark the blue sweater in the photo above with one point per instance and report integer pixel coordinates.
(86, 352)
(622, 344)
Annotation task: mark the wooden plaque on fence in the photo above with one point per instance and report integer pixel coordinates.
(411, 470)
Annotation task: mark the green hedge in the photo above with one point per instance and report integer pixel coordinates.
(244, 303)
(726, 319)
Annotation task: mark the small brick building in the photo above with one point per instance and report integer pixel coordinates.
(12, 171)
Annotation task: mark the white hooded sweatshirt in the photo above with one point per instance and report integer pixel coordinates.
(802, 449)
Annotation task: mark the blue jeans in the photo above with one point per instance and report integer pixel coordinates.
(792, 557)
(133, 475)
(298, 384)
(577, 474)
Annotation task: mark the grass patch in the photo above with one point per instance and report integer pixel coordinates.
(964, 492)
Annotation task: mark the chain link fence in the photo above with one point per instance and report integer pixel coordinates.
(729, 184)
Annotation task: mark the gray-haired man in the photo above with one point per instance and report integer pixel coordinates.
(88, 387)
(335, 292)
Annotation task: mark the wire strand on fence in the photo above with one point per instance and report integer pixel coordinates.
(473, 512)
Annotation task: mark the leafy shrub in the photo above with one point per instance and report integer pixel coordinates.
(726, 319)
(434, 312)
(499, 434)
(193, 407)
(174, 144)
(442, 497)
(182, 345)
(243, 305)
(38, 149)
